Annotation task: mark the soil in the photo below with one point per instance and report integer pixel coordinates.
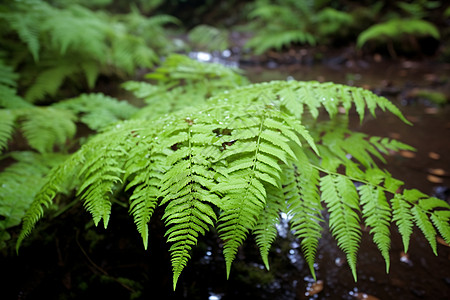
(69, 258)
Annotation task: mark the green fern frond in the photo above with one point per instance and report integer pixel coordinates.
(421, 211)
(264, 41)
(101, 172)
(78, 28)
(422, 221)
(441, 219)
(181, 82)
(257, 148)
(302, 194)
(27, 29)
(377, 214)
(265, 230)
(7, 120)
(403, 218)
(298, 97)
(98, 110)
(47, 127)
(397, 28)
(10, 99)
(50, 79)
(341, 198)
(144, 174)
(185, 189)
(58, 180)
(209, 38)
(20, 183)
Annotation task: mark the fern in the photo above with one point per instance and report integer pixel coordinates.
(303, 197)
(45, 128)
(283, 25)
(265, 230)
(208, 38)
(6, 128)
(75, 45)
(266, 40)
(20, 183)
(97, 110)
(181, 81)
(397, 28)
(340, 195)
(237, 160)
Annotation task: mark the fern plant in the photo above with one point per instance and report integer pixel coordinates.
(209, 38)
(238, 160)
(50, 46)
(397, 30)
(20, 183)
(279, 25)
(181, 81)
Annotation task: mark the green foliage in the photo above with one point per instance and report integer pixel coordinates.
(43, 127)
(397, 29)
(180, 82)
(98, 110)
(209, 38)
(279, 25)
(332, 22)
(237, 160)
(74, 44)
(8, 88)
(20, 183)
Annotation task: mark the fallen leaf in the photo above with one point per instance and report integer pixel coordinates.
(412, 119)
(438, 172)
(442, 242)
(434, 155)
(377, 58)
(394, 135)
(407, 154)
(314, 288)
(434, 179)
(431, 110)
(365, 296)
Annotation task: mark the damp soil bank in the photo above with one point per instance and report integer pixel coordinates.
(69, 258)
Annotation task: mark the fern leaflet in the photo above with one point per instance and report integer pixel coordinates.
(340, 195)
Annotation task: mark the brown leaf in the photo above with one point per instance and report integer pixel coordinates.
(314, 288)
(407, 154)
(394, 135)
(431, 110)
(434, 179)
(442, 242)
(437, 172)
(434, 155)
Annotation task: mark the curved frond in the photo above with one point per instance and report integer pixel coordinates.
(45, 128)
(7, 120)
(185, 188)
(58, 180)
(377, 214)
(301, 188)
(265, 230)
(98, 110)
(20, 183)
(341, 198)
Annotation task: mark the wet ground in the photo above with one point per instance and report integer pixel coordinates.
(72, 260)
